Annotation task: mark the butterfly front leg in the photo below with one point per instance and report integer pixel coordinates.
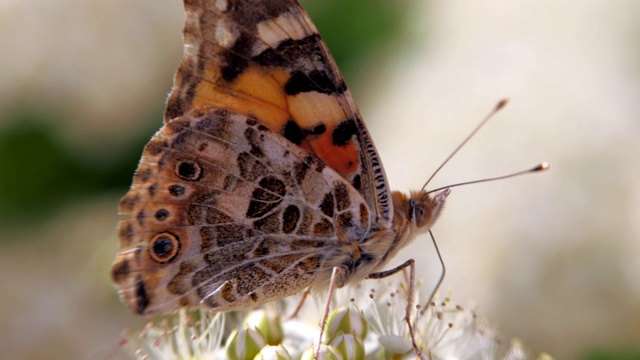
(411, 264)
(338, 278)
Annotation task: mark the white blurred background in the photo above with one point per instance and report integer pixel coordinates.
(552, 259)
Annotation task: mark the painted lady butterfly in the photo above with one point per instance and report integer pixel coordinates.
(263, 178)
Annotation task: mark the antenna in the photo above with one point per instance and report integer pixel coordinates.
(497, 108)
(540, 167)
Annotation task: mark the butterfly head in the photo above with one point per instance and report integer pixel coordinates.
(423, 210)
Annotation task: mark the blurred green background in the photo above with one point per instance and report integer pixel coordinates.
(552, 259)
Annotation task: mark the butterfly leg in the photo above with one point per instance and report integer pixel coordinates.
(411, 264)
(297, 310)
(336, 274)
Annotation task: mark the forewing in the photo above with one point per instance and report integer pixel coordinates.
(265, 59)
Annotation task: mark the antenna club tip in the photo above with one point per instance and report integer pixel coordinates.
(502, 103)
(542, 167)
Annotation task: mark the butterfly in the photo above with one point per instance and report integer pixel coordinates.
(263, 180)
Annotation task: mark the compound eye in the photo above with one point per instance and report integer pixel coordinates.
(421, 215)
(164, 247)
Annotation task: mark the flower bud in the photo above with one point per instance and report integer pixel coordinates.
(268, 324)
(271, 352)
(244, 344)
(347, 321)
(350, 346)
(327, 352)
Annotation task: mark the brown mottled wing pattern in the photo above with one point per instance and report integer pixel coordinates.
(225, 212)
(265, 59)
(263, 177)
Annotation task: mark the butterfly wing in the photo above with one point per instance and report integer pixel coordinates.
(263, 177)
(265, 59)
(227, 213)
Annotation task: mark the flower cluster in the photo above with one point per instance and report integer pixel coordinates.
(368, 326)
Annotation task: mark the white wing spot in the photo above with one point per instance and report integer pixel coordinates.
(226, 33)
(284, 27)
(221, 5)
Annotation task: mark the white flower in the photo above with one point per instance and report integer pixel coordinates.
(183, 335)
(443, 331)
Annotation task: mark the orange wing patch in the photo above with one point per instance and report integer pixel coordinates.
(254, 93)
